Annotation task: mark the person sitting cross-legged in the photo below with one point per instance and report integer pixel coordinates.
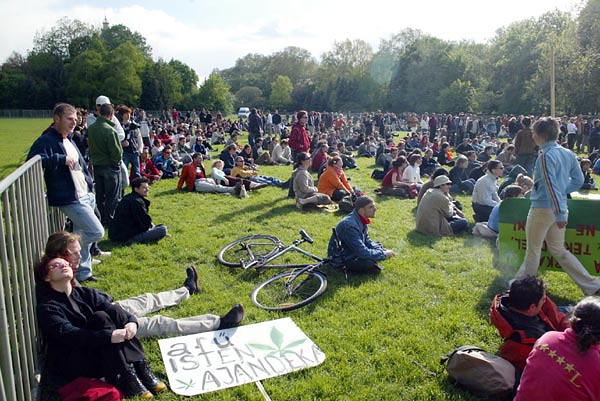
(304, 188)
(132, 223)
(437, 214)
(359, 253)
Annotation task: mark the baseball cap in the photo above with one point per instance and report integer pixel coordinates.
(100, 100)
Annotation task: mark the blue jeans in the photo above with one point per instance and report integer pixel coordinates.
(134, 159)
(89, 228)
(153, 234)
(458, 224)
(265, 179)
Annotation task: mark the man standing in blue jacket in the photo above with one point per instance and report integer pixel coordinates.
(556, 174)
(359, 252)
(69, 184)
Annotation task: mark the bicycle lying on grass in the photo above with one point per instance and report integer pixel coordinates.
(285, 291)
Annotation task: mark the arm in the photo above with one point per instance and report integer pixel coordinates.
(351, 238)
(50, 159)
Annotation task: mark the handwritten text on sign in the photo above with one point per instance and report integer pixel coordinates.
(204, 362)
(582, 236)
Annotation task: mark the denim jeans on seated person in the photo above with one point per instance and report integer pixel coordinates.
(458, 224)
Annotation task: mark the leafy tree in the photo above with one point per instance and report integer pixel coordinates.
(47, 78)
(249, 96)
(293, 62)
(348, 58)
(116, 35)
(412, 86)
(281, 90)
(588, 26)
(84, 78)
(13, 83)
(57, 40)
(214, 94)
(248, 71)
(457, 97)
(189, 78)
(161, 86)
(121, 74)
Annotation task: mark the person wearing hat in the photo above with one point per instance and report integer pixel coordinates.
(351, 242)
(436, 214)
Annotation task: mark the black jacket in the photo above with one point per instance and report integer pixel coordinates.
(131, 218)
(65, 332)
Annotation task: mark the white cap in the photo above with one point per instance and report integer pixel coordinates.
(100, 100)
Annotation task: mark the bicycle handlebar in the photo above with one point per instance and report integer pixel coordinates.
(306, 237)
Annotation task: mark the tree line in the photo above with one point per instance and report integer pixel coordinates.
(410, 71)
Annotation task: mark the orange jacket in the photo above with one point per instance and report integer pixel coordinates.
(330, 181)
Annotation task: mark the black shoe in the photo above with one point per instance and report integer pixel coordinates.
(233, 318)
(148, 378)
(90, 278)
(130, 385)
(191, 282)
(286, 184)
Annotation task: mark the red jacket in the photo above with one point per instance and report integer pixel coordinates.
(518, 342)
(299, 140)
(189, 175)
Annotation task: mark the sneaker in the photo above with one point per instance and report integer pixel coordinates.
(191, 282)
(148, 378)
(233, 318)
(104, 254)
(130, 385)
(96, 261)
(243, 192)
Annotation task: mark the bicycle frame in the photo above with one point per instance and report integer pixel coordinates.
(263, 263)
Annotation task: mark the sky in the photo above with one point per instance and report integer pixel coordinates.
(208, 35)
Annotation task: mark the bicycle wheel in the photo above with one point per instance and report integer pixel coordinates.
(245, 250)
(289, 290)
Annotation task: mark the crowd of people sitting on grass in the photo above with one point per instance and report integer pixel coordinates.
(438, 157)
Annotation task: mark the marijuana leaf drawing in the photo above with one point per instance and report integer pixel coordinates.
(277, 348)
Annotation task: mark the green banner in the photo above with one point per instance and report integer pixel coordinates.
(581, 238)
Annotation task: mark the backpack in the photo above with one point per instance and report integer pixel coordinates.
(480, 372)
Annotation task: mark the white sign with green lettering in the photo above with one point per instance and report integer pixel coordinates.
(216, 360)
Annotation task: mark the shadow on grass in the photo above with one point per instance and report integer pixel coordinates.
(417, 239)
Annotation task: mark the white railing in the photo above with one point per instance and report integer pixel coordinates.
(25, 224)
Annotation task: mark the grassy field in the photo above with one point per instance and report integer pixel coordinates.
(383, 335)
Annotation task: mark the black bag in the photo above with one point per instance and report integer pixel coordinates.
(378, 174)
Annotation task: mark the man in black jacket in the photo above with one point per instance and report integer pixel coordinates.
(132, 223)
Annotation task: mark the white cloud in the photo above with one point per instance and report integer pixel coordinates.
(208, 35)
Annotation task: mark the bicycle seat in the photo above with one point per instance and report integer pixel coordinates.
(306, 237)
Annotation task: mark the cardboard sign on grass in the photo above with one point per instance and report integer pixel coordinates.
(582, 237)
(216, 360)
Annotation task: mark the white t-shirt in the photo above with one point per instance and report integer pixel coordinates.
(81, 185)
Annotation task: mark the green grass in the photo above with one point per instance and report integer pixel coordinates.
(383, 335)
(17, 136)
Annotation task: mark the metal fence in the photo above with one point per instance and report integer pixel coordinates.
(26, 114)
(25, 224)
